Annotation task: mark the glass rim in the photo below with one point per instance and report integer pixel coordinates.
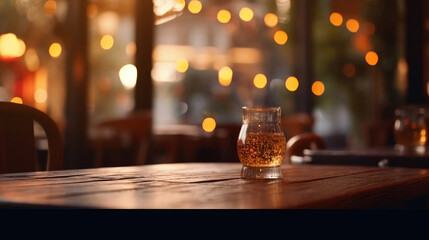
(410, 108)
(262, 109)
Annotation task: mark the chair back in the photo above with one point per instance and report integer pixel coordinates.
(18, 151)
(133, 131)
(297, 144)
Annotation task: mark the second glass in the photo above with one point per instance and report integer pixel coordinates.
(261, 144)
(410, 129)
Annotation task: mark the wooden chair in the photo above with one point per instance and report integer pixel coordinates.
(132, 132)
(297, 144)
(17, 140)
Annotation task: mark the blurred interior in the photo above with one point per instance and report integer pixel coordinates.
(140, 82)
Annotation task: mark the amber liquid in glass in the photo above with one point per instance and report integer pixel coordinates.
(262, 149)
(411, 136)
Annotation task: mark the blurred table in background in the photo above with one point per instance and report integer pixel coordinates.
(381, 157)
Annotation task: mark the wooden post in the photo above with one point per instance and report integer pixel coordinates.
(75, 48)
(304, 55)
(414, 52)
(144, 45)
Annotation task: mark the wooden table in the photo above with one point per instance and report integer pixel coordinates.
(214, 186)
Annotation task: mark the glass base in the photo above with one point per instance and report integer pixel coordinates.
(410, 149)
(261, 172)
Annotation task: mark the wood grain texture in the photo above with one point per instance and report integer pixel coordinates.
(214, 186)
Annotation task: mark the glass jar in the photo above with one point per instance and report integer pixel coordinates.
(261, 144)
(410, 129)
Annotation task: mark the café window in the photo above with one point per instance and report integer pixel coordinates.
(218, 56)
(210, 58)
(111, 53)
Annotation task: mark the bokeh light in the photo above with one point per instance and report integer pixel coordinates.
(292, 84)
(50, 7)
(271, 20)
(130, 49)
(371, 58)
(128, 76)
(40, 95)
(280, 37)
(182, 65)
(246, 14)
(352, 25)
(180, 5)
(16, 100)
(107, 42)
(260, 81)
(318, 88)
(336, 19)
(91, 10)
(225, 76)
(10, 46)
(209, 124)
(195, 6)
(223, 16)
(55, 50)
(31, 59)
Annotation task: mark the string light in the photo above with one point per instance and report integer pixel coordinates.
(260, 81)
(371, 58)
(246, 14)
(223, 16)
(318, 88)
(292, 84)
(195, 6)
(209, 124)
(336, 19)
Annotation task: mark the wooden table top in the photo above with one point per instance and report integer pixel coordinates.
(213, 186)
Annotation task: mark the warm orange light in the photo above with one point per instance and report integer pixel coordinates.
(318, 88)
(371, 58)
(246, 14)
(50, 7)
(292, 84)
(280, 37)
(21, 48)
(107, 42)
(108, 22)
(260, 81)
(349, 70)
(180, 5)
(352, 25)
(32, 59)
(209, 124)
(91, 10)
(182, 65)
(55, 50)
(195, 6)
(225, 76)
(128, 76)
(16, 100)
(271, 19)
(11, 47)
(40, 95)
(336, 19)
(130, 49)
(223, 16)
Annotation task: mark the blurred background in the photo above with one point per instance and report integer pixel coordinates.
(192, 65)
